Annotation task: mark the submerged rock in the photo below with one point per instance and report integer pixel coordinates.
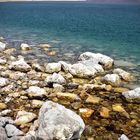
(20, 65)
(57, 122)
(53, 67)
(25, 47)
(104, 60)
(112, 79)
(2, 46)
(132, 94)
(123, 74)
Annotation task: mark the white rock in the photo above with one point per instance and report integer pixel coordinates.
(25, 47)
(35, 91)
(11, 131)
(5, 112)
(104, 60)
(123, 137)
(53, 67)
(2, 61)
(132, 94)
(3, 135)
(3, 82)
(58, 87)
(56, 78)
(20, 65)
(2, 46)
(65, 66)
(123, 74)
(112, 79)
(57, 122)
(24, 117)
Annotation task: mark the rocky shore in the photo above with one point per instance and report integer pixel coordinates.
(87, 100)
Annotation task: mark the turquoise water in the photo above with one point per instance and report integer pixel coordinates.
(73, 28)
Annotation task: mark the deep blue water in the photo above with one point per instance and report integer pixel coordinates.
(75, 27)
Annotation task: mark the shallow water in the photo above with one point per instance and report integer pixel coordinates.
(72, 28)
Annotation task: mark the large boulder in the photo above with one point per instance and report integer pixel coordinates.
(20, 65)
(2, 46)
(123, 74)
(53, 67)
(57, 122)
(132, 94)
(112, 79)
(104, 60)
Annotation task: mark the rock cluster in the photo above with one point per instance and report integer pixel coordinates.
(63, 101)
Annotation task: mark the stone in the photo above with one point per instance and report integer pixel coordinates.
(123, 137)
(11, 131)
(36, 103)
(53, 67)
(104, 112)
(37, 67)
(34, 91)
(20, 65)
(57, 122)
(45, 45)
(123, 74)
(2, 61)
(93, 99)
(56, 78)
(5, 112)
(5, 120)
(24, 117)
(132, 94)
(2, 46)
(25, 47)
(104, 60)
(86, 112)
(112, 79)
(3, 82)
(58, 87)
(67, 96)
(3, 135)
(120, 89)
(3, 106)
(65, 66)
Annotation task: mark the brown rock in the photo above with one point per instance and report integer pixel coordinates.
(86, 112)
(104, 112)
(93, 99)
(3, 106)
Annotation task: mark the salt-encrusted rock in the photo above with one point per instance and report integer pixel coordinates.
(11, 131)
(104, 60)
(25, 47)
(56, 78)
(112, 79)
(37, 67)
(65, 66)
(57, 122)
(5, 112)
(5, 120)
(20, 65)
(58, 87)
(24, 117)
(3, 82)
(35, 91)
(3, 61)
(53, 67)
(3, 135)
(123, 74)
(123, 137)
(82, 71)
(2, 46)
(132, 94)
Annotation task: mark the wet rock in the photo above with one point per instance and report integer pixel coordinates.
(67, 96)
(57, 122)
(104, 112)
(34, 91)
(123, 74)
(93, 99)
(112, 79)
(3, 82)
(86, 112)
(104, 60)
(53, 67)
(123, 137)
(24, 117)
(3, 106)
(20, 65)
(11, 131)
(36, 103)
(44, 46)
(25, 47)
(132, 94)
(2, 46)
(56, 78)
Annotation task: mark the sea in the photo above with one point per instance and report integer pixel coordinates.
(73, 28)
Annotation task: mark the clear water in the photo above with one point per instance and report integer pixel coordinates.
(73, 28)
